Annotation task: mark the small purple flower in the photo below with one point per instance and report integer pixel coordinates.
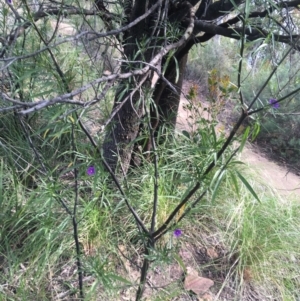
(274, 103)
(91, 171)
(177, 233)
(9, 1)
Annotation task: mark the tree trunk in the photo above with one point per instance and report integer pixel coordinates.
(164, 112)
(124, 127)
(168, 101)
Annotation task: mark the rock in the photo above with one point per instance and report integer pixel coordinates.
(193, 282)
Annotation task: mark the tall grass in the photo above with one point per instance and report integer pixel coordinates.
(256, 242)
(43, 163)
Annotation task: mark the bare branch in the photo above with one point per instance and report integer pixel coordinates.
(20, 29)
(66, 97)
(251, 34)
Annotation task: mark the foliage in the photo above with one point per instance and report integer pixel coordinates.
(73, 224)
(278, 134)
(210, 56)
(257, 240)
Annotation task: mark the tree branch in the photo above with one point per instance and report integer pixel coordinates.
(251, 34)
(20, 29)
(42, 14)
(218, 9)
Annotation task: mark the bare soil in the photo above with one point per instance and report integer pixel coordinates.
(278, 178)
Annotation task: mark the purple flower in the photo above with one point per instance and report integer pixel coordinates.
(91, 171)
(274, 103)
(177, 233)
(9, 1)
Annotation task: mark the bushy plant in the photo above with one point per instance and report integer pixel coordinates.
(73, 227)
(278, 126)
(209, 56)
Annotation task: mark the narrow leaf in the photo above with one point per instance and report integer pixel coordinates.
(234, 182)
(118, 278)
(256, 130)
(180, 262)
(246, 183)
(177, 70)
(244, 139)
(216, 188)
(247, 8)
(186, 134)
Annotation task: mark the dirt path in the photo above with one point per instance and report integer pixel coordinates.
(266, 172)
(280, 179)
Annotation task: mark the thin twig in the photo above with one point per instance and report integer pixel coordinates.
(243, 37)
(74, 218)
(269, 77)
(144, 272)
(278, 101)
(62, 98)
(97, 35)
(36, 153)
(156, 175)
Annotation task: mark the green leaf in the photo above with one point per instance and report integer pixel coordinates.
(216, 187)
(180, 262)
(118, 278)
(244, 139)
(213, 132)
(256, 130)
(247, 9)
(170, 55)
(177, 70)
(246, 183)
(234, 182)
(234, 4)
(186, 134)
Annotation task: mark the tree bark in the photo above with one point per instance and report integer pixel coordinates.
(123, 129)
(164, 110)
(126, 123)
(168, 101)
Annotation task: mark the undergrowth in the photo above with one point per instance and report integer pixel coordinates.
(255, 241)
(248, 244)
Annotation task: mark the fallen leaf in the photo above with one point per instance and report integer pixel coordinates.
(206, 297)
(247, 274)
(193, 282)
(212, 253)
